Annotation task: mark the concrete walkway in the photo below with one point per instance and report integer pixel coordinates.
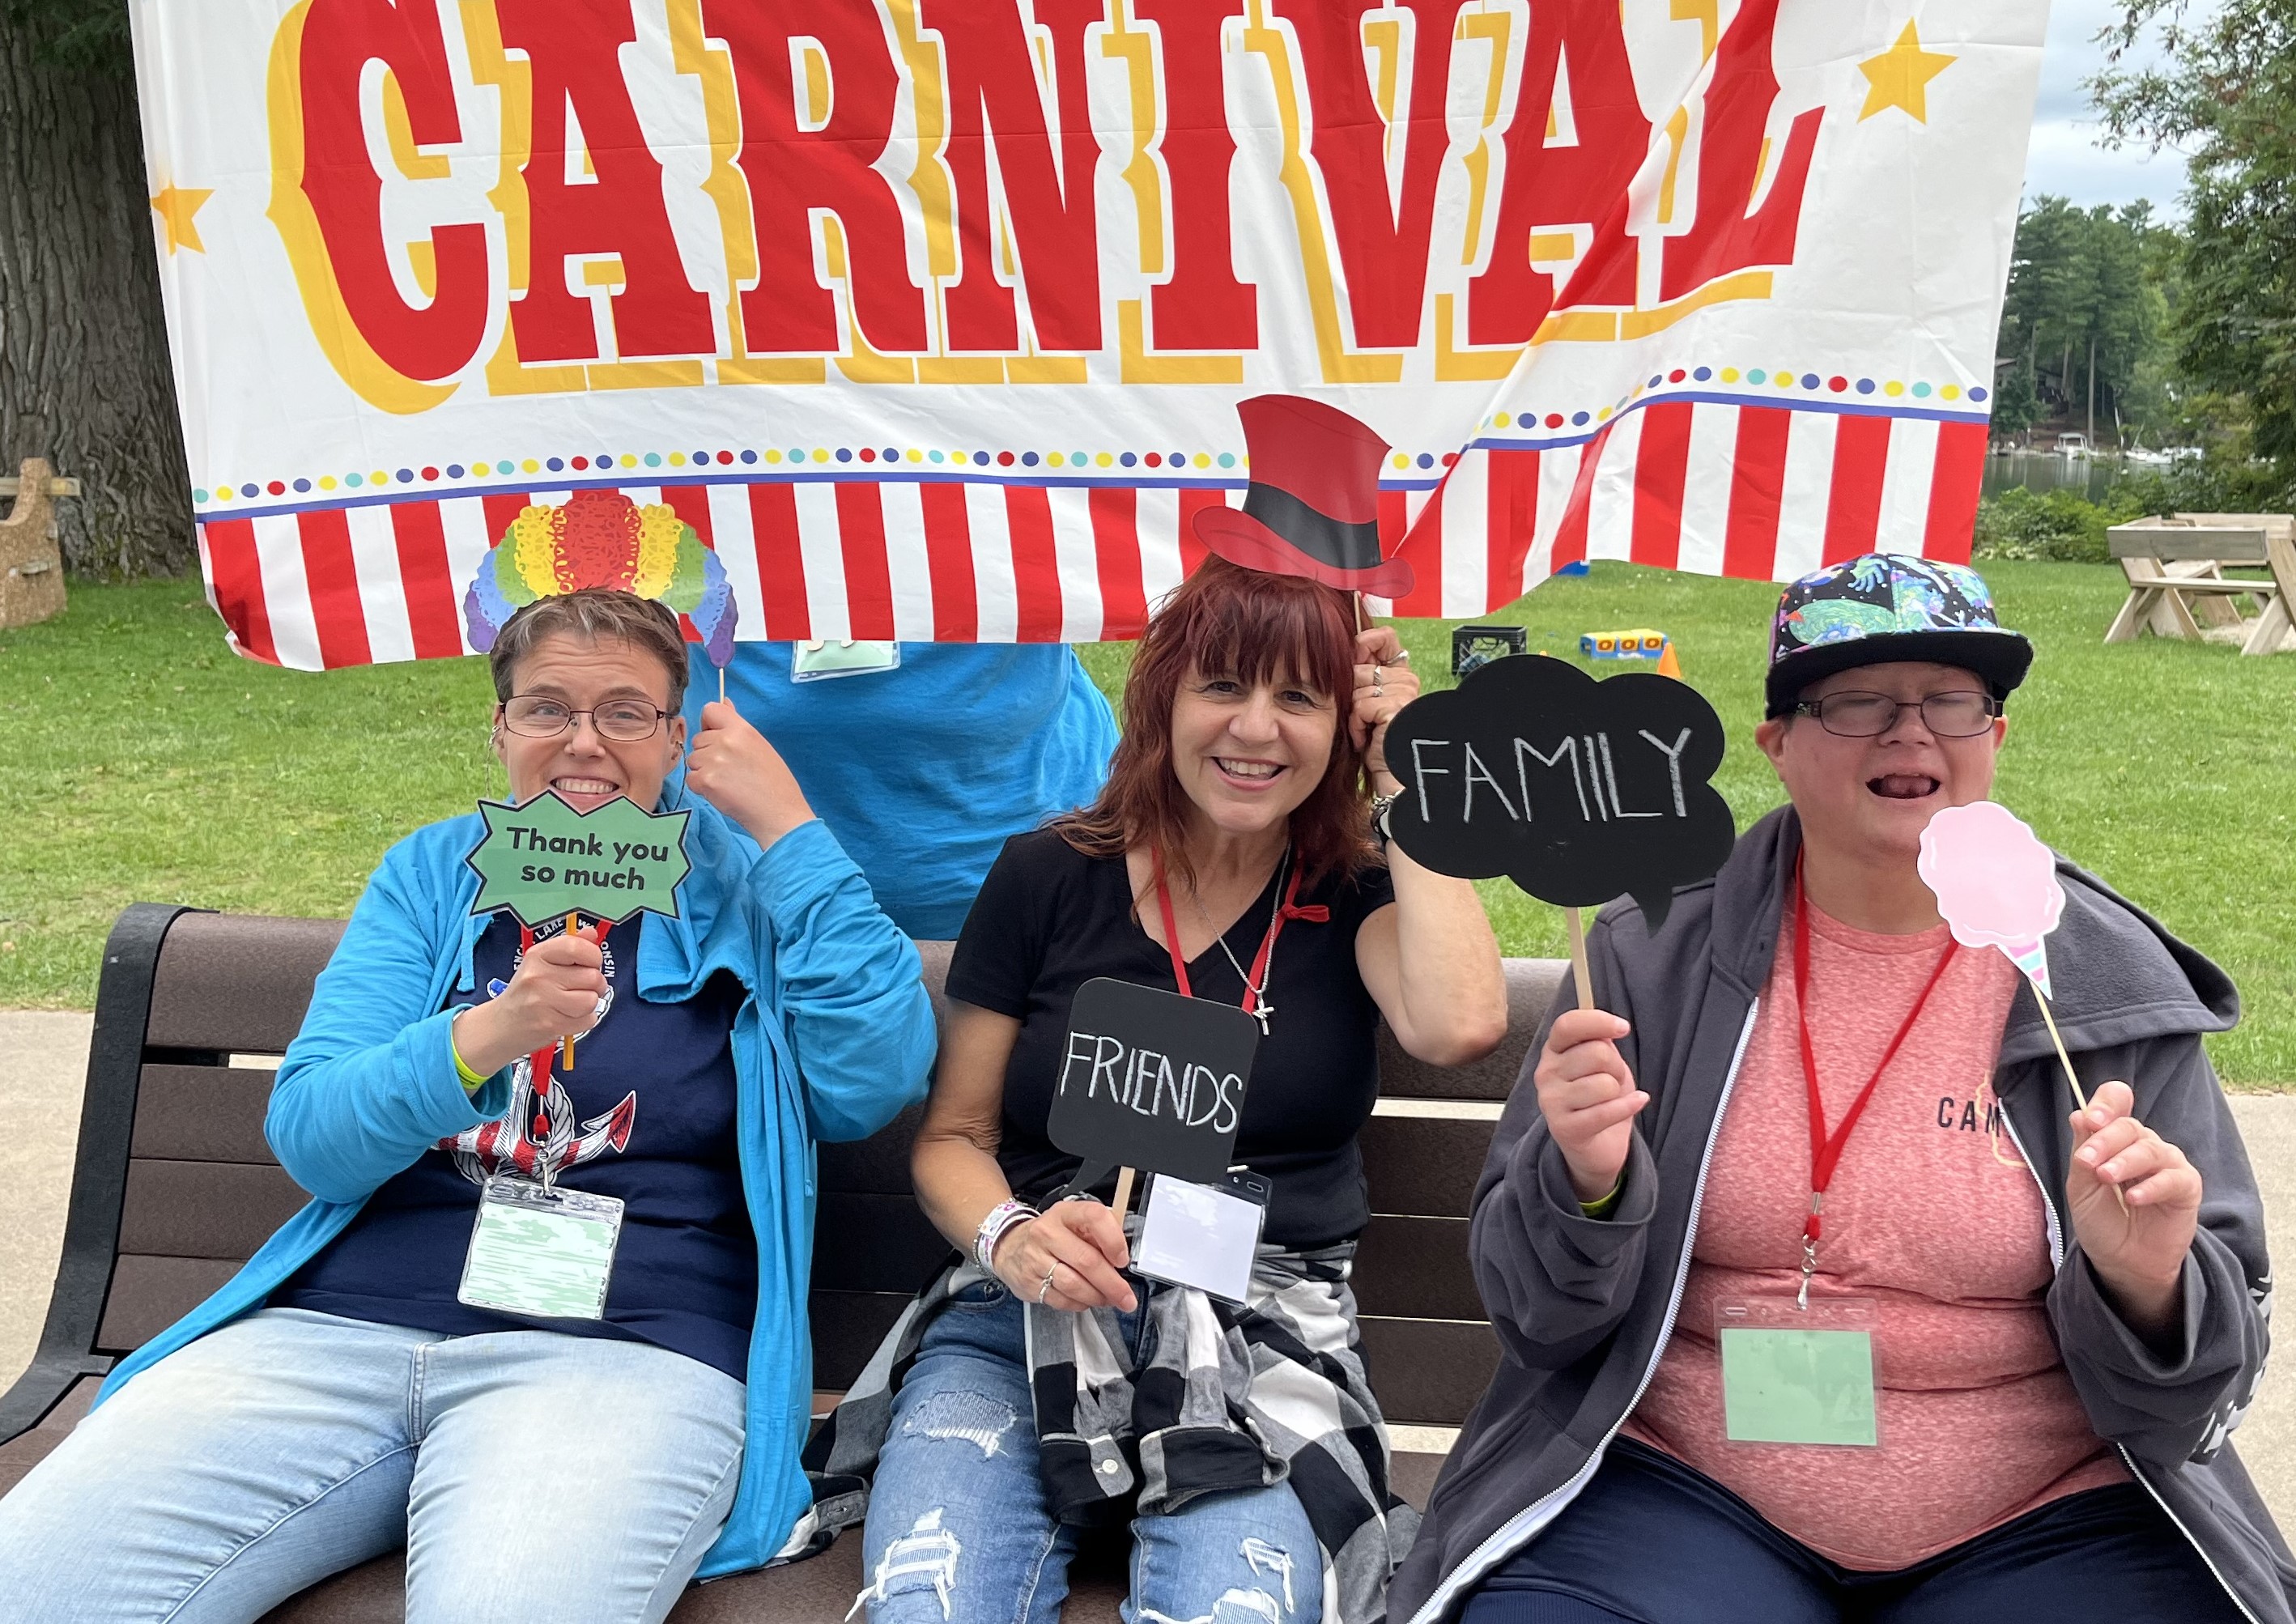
(43, 1062)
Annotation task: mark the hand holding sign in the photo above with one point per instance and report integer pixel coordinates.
(1579, 791)
(554, 994)
(730, 765)
(543, 859)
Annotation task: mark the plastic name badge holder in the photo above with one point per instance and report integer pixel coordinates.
(1796, 1375)
(1203, 1236)
(546, 1253)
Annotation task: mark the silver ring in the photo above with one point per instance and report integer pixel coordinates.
(1403, 657)
(1045, 1289)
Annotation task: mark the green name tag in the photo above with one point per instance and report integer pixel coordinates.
(1798, 1387)
(815, 658)
(547, 1254)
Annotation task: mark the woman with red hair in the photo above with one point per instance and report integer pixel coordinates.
(1038, 1388)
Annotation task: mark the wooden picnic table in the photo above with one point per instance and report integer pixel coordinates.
(2176, 566)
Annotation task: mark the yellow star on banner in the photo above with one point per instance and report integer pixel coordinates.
(1899, 77)
(177, 206)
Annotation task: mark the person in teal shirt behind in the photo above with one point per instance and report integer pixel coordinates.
(923, 757)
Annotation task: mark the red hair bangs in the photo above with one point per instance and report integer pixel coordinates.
(1226, 621)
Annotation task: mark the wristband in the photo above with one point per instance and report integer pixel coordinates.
(1604, 1208)
(472, 1082)
(1003, 1217)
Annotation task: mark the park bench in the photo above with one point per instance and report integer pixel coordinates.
(174, 1186)
(2176, 572)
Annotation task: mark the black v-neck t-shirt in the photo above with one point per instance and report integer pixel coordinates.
(1049, 919)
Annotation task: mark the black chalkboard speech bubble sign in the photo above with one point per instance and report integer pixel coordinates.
(1152, 1080)
(1579, 791)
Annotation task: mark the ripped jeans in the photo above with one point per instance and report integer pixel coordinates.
(959, 1532)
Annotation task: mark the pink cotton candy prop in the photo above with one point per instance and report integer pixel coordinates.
(1996, 886)
(1996, 883)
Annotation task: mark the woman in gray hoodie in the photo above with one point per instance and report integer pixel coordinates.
(1819, 1298)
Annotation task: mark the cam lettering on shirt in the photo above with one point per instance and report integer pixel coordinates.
(1969, 1116)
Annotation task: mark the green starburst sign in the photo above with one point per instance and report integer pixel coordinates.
(543, 860)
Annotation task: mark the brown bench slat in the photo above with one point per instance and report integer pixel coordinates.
(846, 1327)
(201, 1114)
(1415, 1268)
(237, 983)
(149, 1294)
(874, 1243)
(1428, 1372)
(28, 1449)
(878, 1164)
(1531, 985)
(1423, 1166)
(204, 1209)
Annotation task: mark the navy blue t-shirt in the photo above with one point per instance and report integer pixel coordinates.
(647, 1115)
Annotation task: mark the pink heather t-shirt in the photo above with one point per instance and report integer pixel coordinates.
(1932, 1217)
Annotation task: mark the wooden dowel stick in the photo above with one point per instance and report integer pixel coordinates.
(1123, 1194)
(2064, 1059)
(1579, 958)
(2072, 1082)
(566, 1045)
(721, 685)
(1357, 598)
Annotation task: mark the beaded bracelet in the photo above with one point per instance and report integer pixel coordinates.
(1003, 1217)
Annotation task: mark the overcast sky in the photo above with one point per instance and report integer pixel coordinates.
(2066, 158)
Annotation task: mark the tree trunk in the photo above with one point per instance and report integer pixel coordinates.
(2092, 390)
(84, 379)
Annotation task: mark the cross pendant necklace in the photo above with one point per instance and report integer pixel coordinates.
(1262, 1009)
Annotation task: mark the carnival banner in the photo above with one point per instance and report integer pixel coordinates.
(931, 317)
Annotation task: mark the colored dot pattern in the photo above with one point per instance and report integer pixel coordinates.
(1783, 378)
(494, 469)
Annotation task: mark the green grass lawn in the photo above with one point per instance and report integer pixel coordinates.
(139, 760)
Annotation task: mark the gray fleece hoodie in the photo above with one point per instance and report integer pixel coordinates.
(1583, 1307)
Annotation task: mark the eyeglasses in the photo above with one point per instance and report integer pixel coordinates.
(1853, 715)
(625, 721)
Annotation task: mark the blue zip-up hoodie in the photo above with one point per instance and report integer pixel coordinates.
(834, 1038)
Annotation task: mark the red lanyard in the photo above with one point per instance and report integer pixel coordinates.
(1314, 913)
(1825, 1150)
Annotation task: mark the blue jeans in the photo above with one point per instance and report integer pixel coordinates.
(1651, 1541)
(529, 1474)
(959, 1532)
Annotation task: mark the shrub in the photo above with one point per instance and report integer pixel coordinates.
(2060, 527)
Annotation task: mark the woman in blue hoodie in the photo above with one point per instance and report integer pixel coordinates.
(344, 1393)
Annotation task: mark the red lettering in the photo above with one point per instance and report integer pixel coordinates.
(1202, 305)
(573, 47)
(1729, 235)
(792, 172)
(1583, 184)
(1383, 251)
(993, 95)
(339, 38)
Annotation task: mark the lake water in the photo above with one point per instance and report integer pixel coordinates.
(2044, 471)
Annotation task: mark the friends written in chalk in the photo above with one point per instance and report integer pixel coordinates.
(1152, 1084)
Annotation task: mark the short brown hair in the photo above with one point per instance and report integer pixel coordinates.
(1228, 620)
(595, 614)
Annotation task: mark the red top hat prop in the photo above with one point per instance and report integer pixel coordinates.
(1313, 507)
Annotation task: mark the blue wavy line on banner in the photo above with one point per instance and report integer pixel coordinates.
(624, 479)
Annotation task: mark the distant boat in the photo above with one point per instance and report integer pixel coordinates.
(2072, 444)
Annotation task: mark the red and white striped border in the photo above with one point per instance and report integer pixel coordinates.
(1718, 488)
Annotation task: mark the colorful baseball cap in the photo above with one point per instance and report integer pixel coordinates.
(1890, 606)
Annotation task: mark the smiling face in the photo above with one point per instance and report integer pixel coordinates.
(1870, 798)
(1247, 754)
(585, 769)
